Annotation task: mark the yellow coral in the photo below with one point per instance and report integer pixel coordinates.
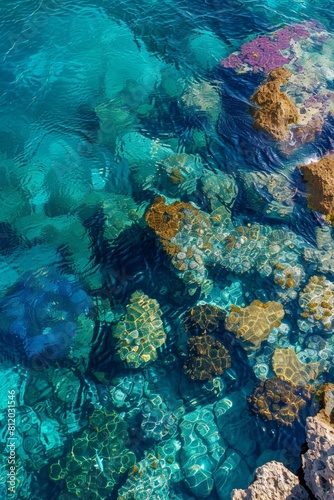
(287, 366)
(141, 332)
(254, 323)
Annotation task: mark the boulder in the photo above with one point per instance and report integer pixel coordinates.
(318, 461)
(320, 178)
(273, 482)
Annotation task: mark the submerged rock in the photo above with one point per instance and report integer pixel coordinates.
(273, 481)
(276, 110)
(320, 179)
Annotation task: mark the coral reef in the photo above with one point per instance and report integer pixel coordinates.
(177, 175)
(97, 459)
(273, 194)
(207, 358)
(152, 477)
(157, 423)
(204, 319)
(202, 449)
(322, 257)
(278, 400)
(273, 481)
(141, 332)
(319, 177)
(276, 111)
(296, 47)
(316, 302)
(264, 53)
(219, 188)
(253, 324)
(288, 367)
(185, 234)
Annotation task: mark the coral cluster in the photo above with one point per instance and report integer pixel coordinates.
(157, 422)
(316, 301)
(197, 241)
(141, 332)
(258, 247)
(276, 399)
(153, 477)
(204, 319)
(177, 175)
(275, 110)
(295, 47)
(148, 479)
(273, 194)
(207, 358)
(322, 257)
(288, 367)
(265, 53)
(219, 188)
(97, 458)
(185, 234)
(202, 449)
(253, 324)
(320, 180)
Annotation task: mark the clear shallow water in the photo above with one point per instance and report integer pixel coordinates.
(96, 98)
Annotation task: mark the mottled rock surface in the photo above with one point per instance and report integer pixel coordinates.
(275, 109)
(320, 179)
(273, 482)
(318, 461)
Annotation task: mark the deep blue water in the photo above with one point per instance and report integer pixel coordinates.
(96, 98)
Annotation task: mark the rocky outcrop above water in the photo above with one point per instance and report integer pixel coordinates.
(320, 179)
(318, 461)
(275, 111)
(273, 482)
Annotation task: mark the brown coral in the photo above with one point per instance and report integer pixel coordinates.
(276, 399)
(254, 323)
(203, 319)
(275, 110)
(165, 219)
(288, 367)
(320, 179)
(207, 358)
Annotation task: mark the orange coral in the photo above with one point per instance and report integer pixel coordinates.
(165, 219)
(275, 110)
(276, 399)
(319, 176)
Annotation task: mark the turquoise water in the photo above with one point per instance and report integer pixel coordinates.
(106, 106)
